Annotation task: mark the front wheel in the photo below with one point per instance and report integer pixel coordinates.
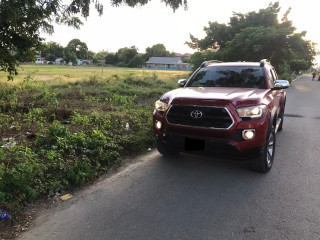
(263, 163)
(165, 149)
(282, 118)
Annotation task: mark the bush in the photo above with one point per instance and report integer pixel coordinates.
(21, 176)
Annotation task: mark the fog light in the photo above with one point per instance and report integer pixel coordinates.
(248, 134)
(158, 125)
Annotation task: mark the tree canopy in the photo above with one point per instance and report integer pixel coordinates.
(254, 36)
(157, 50)
(22, 20)
(52, 50)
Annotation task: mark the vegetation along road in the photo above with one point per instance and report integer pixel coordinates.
(192, 197)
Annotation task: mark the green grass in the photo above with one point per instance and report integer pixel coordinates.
(75, 73)
(62, 126)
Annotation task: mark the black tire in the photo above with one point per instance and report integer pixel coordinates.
(165, 149)
(282, 118)
(263, 163)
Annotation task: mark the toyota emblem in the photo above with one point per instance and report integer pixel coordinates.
(196, 114)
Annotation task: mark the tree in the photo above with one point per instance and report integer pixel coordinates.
(69, 56)
(136, 61)
(101, 55)
(112, 58)
(157, 50)
(91, 55)
(78, 47)
(298, 65)
(21, 22)
(125, 55)
(254, 36)
(217, 37)
(52, 50)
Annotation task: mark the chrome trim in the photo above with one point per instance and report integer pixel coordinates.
(198, 126)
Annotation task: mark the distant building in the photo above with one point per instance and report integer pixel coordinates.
(166, 63)
(101, 62)
(59, 61)
(84, 62)
(185, 57)
(39, 60)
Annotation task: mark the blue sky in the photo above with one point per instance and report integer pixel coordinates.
(155, 23)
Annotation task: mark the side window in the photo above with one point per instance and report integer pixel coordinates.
(273, 76)
(274, 73)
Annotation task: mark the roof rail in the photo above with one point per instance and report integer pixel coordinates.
(206, 63)
(263, 62)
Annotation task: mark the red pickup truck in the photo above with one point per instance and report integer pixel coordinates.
(228, 109)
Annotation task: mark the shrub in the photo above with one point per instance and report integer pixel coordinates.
(21, 176)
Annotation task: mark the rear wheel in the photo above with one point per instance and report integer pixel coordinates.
(165, 149)
(264, 161)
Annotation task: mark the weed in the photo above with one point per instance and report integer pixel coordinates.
(154, 76)
(93, 80)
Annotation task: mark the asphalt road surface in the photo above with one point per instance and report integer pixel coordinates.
(193, 197)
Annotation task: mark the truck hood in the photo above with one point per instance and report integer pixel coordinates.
(237, 96)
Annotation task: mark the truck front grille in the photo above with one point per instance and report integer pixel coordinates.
(200, 116)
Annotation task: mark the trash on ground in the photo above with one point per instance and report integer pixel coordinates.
(4, 215)
(10, 142)
(66, 197)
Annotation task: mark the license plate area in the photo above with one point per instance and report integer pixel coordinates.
(194, 144)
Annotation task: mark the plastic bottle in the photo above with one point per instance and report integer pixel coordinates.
(4, 215)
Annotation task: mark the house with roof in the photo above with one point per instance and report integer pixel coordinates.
(39, 60)
(166, 63)
(58, 61)
(185, 57)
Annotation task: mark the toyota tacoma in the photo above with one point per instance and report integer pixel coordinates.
(228, 109)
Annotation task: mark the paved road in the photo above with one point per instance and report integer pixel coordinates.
(192, 197)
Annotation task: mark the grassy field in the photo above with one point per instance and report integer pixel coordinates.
(44, 72)
(62, 126)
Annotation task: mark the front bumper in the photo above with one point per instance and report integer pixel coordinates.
(224, 143)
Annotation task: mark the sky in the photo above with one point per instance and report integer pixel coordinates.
(145, 26)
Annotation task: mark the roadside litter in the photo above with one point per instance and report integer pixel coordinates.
(4, 215)
(66, 197)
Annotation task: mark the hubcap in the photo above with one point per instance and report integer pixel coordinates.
(270, 148)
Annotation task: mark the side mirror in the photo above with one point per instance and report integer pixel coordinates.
(281, 84)
(182, 82)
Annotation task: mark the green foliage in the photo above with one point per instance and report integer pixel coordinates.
(60, 135)
(298, 65)
(77, 47)
(125, 55)
(51, 51)
(157, 50)
(21, 175)
(112, 58)
(199, 57)
(254, 36)
(136, 61)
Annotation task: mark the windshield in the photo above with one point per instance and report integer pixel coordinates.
(229, 76)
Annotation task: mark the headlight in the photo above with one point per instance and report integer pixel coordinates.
(252, 112)
(161, 106)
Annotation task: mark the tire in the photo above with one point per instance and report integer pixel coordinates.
(165, 149)
(263, 163)
(282, 118)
